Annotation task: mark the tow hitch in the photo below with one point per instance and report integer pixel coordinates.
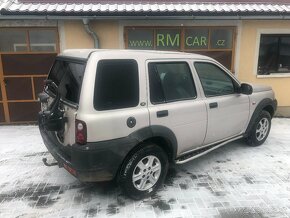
(44, 160)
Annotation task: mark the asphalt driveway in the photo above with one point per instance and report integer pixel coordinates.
(233, 181)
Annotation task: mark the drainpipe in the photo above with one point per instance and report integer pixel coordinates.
(91, 32)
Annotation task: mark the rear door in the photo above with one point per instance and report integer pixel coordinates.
(67, 74)
(113, 98)
(175, 103)
(228, 110)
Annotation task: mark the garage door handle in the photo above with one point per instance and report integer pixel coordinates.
(162, 113)
(213, 105)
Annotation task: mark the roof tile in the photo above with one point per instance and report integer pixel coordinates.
(141, 6)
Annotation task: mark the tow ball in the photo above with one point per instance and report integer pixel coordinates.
(44, 160)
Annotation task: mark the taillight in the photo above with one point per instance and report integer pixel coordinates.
(81, 132)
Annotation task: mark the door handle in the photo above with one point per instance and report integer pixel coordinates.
(213, 105)
(163, 113)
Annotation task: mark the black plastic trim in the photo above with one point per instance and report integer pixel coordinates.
(100, 161)
(157, 131)
(264, 103)
(163, 113)
(213, 105)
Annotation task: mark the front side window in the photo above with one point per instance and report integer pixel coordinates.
(68, 76)
(116, 85)
(215, 81)
(274, 54)
(170, 81)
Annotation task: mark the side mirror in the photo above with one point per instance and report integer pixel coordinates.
(246, 89)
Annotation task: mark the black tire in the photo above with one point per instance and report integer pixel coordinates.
(129, 167)
(254, 138)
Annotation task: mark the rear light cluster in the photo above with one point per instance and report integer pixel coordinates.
(81, 132)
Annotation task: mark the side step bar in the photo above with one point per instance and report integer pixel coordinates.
(202, 151)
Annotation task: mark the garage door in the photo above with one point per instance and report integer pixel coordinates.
(26, 55)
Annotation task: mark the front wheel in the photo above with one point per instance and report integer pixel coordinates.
(144, 171)
(260, 130)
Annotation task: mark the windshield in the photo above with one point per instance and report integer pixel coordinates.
(68, 76)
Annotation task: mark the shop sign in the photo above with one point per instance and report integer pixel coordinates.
(196, 39)
(168, 39)
(140, 39)
(171, 39)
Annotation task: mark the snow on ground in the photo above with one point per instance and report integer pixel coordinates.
(233, 181)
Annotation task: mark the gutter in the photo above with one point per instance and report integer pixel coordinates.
(88, 29)
(57, 17)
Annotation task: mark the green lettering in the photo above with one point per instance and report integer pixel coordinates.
(148, 43)
(195, 41)
(187, 41)
(172, 42)
(160, 39)
(140, 43)
(203, 40)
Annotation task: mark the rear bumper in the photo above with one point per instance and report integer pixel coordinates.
(99, 161)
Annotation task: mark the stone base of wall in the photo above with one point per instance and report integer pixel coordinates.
(283, 112)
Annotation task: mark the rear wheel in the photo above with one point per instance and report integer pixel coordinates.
(260, 130)
(144, 171)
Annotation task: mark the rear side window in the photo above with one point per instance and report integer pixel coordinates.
(170, 81)
(116, 85)
(68, 76)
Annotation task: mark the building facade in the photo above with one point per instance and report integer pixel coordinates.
(251, 40)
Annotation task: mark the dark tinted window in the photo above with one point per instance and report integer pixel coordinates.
(274, 54)
(68, 77)
(117, 84)
(214, 80)
(170, 82)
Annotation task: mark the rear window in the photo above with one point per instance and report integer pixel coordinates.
(116, 85)
(170, 81)
(68, 76)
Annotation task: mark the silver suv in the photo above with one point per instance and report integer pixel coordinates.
(125, 115)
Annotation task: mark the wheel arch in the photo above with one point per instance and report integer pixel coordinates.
(160, 135)
(270, 109)
(266, 104)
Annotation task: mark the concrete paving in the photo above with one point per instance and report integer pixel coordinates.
(233, 181)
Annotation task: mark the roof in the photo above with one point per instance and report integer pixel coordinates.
(144, 7)
(77, 53)
(146, 54)
(154, 1)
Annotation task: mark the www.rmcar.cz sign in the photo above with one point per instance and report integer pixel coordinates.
(171, 39)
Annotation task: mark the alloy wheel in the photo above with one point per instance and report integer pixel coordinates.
(146, 173)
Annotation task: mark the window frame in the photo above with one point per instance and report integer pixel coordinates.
(235, 82)
(171, 61)
(277, 54)
(97, 78)
(256, 59)
(28, 44)
(71, 60)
